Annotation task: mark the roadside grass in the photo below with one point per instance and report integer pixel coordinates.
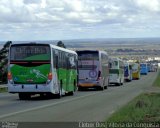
(3, 90)
(157, 81)
(144, 108)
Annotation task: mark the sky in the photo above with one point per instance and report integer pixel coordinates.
(78, 19)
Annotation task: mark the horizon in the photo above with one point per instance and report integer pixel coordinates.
(85, 39)
(145, 40)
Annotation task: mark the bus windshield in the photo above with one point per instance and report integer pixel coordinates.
(88, 55)
(143, 65)
(114, 64)
(29, 52)
(87, 60)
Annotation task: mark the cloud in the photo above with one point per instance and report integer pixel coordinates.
(66, 18)
(150, 5)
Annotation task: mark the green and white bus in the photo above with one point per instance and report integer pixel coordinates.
(45, 69)
(93, 69)
(116, 71)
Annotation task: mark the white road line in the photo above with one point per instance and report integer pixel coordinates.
(111, 112)
(48, 105)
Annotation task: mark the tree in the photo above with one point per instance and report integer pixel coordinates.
(61, 44)
(4, 61)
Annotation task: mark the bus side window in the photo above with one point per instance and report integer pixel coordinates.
(72, 62)
(110, 65)
(66, 59)
(56, 59)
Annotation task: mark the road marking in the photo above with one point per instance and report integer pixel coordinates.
(6, 95)
(111, 112)
(44, 106)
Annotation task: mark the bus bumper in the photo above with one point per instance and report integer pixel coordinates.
(33, 88)
(89, 84)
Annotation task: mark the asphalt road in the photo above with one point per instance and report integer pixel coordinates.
(83, 106)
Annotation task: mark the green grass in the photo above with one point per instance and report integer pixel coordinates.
(144, 108)
(3, 90)
(157, 81)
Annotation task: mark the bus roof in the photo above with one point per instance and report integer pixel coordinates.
(92, 51)
(116, 59)
(51, 45)
(63, 49)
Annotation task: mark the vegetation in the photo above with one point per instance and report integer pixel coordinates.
(3, 90)
(156, 82)
(61, 44)
(4, 61)
(144, 108)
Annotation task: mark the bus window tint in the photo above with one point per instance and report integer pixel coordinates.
(30, 52)
(93, 56)
(86, 60)
(114, 64)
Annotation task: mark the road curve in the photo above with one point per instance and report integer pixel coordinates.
(83, 106)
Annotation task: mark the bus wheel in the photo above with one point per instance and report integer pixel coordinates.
(118, 84)
(106, 86)
(70, 93)
(75, 85)
(24, 96)
(59, 95)
(80, 88)
(101, 88)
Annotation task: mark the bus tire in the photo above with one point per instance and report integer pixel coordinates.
(118, 84)
(80, 88)
(100, 88)
(105, 87)
(70, 93)
(58, 96)
(75, 85)
(24, 96)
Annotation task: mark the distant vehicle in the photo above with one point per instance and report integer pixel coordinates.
(127, 72)
(116, 71)
(135, 71)
(144, 68)
(149, 67)
(93, 69)
(154, 67)
(43, 69)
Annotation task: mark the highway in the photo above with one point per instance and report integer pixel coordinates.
(83, 106)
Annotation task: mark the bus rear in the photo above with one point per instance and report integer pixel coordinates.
(127, 72)
(29, 69)
(116, 72)
(135, 71)
(144, 68)
(89, 69)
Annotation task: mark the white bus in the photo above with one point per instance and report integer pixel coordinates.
(127, 72)
(44, 69)
(93, 69)
(116, 71)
